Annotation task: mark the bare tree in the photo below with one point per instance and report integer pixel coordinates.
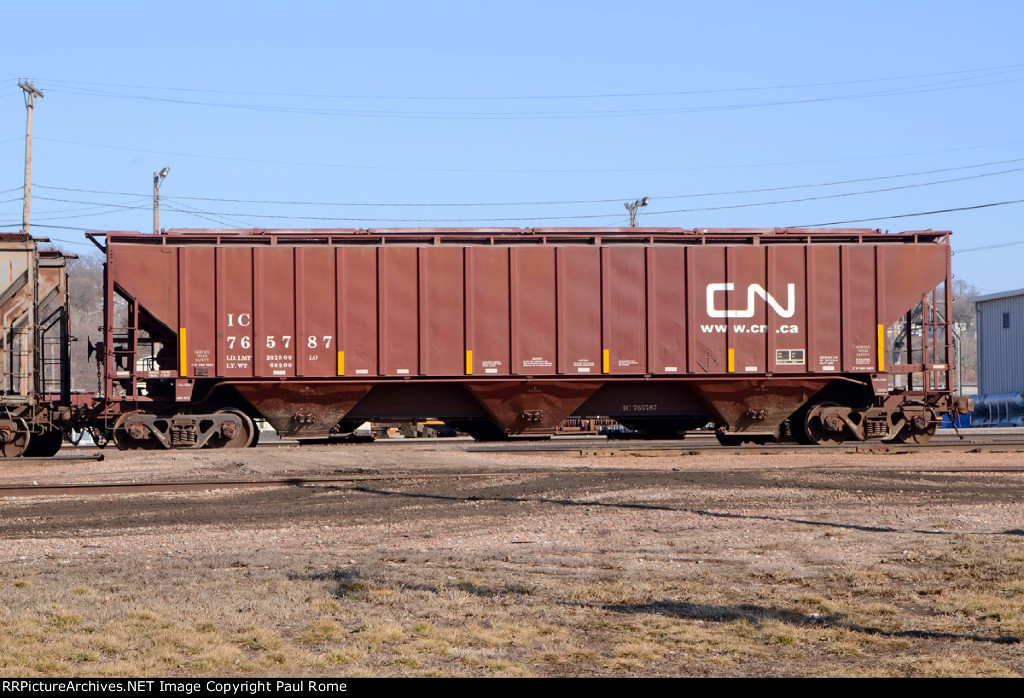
(964, 319)
(85, 287)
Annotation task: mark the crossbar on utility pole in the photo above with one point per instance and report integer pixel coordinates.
(30, 102)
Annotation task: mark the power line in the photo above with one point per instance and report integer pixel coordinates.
(179, 199)
(838, 196)
(534, 115)
(51, 227)
(139, 203)
(521, 219)
(192, 211)
(989, 247)
(205, 217)
(812, 225)
(660, 198)
(388, 168)
(1001, 69)
(86, 203)
(90, 215)
(912, 215)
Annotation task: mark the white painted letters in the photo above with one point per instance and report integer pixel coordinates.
(753, 290)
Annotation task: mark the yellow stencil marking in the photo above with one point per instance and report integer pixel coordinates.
(184, 353)
(881, 347)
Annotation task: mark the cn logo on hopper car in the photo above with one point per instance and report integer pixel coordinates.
(752, 290)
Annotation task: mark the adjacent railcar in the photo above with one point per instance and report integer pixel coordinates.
(35, 400)
(769, 334)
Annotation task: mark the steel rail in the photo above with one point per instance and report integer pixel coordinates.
(354, 482)
(185, 486)
(51, 459)
(987, 444)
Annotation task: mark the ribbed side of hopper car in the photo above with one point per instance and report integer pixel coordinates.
(770, 334)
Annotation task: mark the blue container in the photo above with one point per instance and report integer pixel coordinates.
(961, 421)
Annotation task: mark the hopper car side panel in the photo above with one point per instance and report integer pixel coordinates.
(624, 299)
(668, 333)
(533, 301)
(488, 311)
(356, 312)
(441, 306)
(234, 303)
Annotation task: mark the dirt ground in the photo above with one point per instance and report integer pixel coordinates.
(710, 564)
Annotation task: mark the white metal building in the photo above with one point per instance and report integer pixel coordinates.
(1000, 342)
(1000, 328)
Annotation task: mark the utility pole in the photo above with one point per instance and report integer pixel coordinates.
(158, 178)
(30, 102)
(632, 207)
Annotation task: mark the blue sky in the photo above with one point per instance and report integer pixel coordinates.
(309, 114)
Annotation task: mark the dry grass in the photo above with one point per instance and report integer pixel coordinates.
(397, 623)
(642, 593)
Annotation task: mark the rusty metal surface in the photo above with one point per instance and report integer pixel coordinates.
(756, 406)
(303, 410)
(34, 350)
(535, 408)
(18, 274)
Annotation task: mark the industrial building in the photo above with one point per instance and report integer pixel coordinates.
(1000, 327)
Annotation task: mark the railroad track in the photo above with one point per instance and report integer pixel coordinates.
(362, 480)
(185, 486)
(982, 443)
(54, 459)
(598, 446)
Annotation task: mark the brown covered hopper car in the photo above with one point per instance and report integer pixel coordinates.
(35, 401)
(807, 334)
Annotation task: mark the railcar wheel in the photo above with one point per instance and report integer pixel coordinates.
(919, 429)
(15, 437)
(243, 436)
(127, 437)
(45, 445)
(821, 429)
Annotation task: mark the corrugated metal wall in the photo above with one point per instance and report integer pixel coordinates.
(345, 308)
(1001, 345)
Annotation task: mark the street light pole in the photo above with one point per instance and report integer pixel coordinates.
(632, 207)
(30, 102)
(158, 178)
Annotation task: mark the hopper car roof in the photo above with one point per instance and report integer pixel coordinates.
(591, 235)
